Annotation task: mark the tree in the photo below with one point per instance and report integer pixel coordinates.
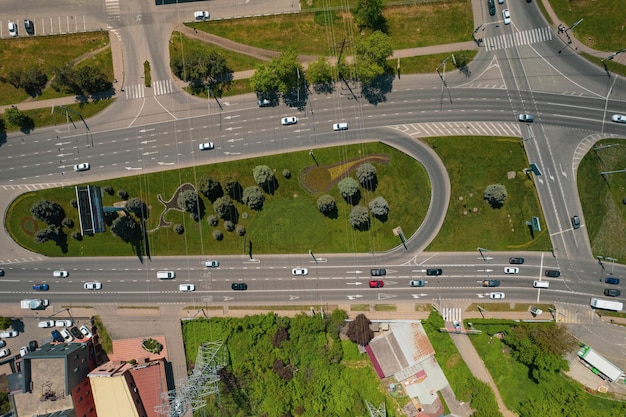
(495, 194)
(253, 196)
(359, 218)
(264, 176)
(31, 79)
(210, 188)
(63, 80)
(225, 208)
(326, 204)
(218, 235)
(189, 201)
(379, 207)
(372, 53)
(320, 74)
(48, 212)
(229, 226)
(204, 69)
(368, 14)
(366, 173)
(52, 232)
(241, 231)
(126, 228)
(16, 117)
(137, 207)
(278, 76)
(91, 80)
(5, 322)
(349, 189)
(359, 330)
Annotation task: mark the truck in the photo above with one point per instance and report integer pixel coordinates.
(606, 304)
(35, 304)
(491, 283)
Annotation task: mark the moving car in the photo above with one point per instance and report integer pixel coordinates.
(67, 337)
(12, 29)
(300, 271)
(496, 295)
(207, 146)
(4, 352)
(60, 274)
(45, 324)
(491, 283)
(28, 25)
(417, 283)
(516, 261)
(93, 285)
(1, 272)
(492, 7)
(506, 15)
(186, 287)
(41, 287)
(166, 274)
(575, 222)
(64, 323)
(553, 273)
(288, 121)
(82, 167)
(612, 292)
(526, 117)
(85, 331)
(619, 118)
(434, 272)
(378, 272)
(340, 126)
(211, 264)
(377, 283)
(56, 336)
(511, 270)
(239, 286)
(9, 334)
(201, 15)
(264, 103)
(76, 333)
(610, 280)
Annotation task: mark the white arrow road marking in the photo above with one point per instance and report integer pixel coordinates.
(131, 168)
(485, 270)
(354, 283)
(293, 297)
(233, 140)
(353, 297)
(146, 130)
(562, 172)
(208, 299)
(252, 261)
(61, 155)
(232, 128)
(386, 296)
(145, 142)
(62, 143)
(149, 153)
(166, 163)
(486, 257)
(354, 272)
(232, 153)
(232, 117)
(228, 298)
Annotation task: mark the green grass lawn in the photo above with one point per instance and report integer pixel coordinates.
(289, 222)
(472, 164)
(602, 198)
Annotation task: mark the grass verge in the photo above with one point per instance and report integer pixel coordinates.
(507, 307)
(359, 307)
(103, 335)
(385, 307)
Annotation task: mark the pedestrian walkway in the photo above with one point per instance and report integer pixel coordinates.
(513, 39)
(158, 88)
(422, 130)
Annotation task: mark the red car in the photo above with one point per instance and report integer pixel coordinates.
(377, 283)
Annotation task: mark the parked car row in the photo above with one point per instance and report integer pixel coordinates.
(71, 334)
(13, 28)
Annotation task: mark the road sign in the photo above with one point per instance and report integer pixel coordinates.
(536, 225)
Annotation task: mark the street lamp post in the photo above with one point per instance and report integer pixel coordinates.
(313, 255)
(481, 252)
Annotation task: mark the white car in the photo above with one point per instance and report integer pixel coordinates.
(300, 271)
(23, 350)
(207, 146)
(340, 126)
(8, 334)
(526, 117)
(511, 270)
(63, 323)
(67, 335)
(4, 352)
(496, 295)
(82, 167)
(201, 15)
(45, 324)
(186, 287)
(85, 331)
(60, 274)
(211, 264)
(507, 16)
(619, 118)
(12, 29)
(288, 121)
(93, 285)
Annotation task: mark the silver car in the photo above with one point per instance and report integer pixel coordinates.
(506, 15)
(82, 167)
(12, 29)
(618, 118)
(526, 117)
(206, 146)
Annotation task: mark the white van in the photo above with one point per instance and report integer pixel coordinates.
(60, 274)
(340, 126)
(541, 284)
(166, 274)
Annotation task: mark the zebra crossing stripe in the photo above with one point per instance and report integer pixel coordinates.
(527, 37)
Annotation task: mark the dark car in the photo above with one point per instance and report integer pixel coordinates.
(33, 346)
(239, 286)
(491, 283)
(516, 261)
(553, 273)
(609, 280)
(611, 292)
(434, 272)
(76, 333)
(56, 336)
(41, 287)
(377, 283)
(378, 272)
(575, 222)
(492, 7)
(28, 25)
(1, 272)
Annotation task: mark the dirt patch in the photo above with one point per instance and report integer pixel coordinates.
(318, 179)
(171, 204)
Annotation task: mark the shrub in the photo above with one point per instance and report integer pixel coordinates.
(74, 203)
(495, 194)
(210, 188)
(178, 228)
(52, 232)
(225, 208)
(109, 190)
(229, 226)
(326, 204)
(218, 235)
(123, 194)
(48, 212)
(212, 219)
(349, 189)
(359, 218)
(286, 173)
(77, 235)
(262, 174)
(379, 207)
(137, 207)
(241, 231)
(67, 222)
(126, 228)
(253, 197)
(366, 173)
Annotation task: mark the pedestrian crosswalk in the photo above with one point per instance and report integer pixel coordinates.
(423, 130)
(451, 314)
(573, 315)
(33, 187)
(158, 88)
(526, 37)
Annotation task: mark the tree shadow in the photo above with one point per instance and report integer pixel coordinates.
(363, 227)
(270, 186)
(61, 241)
(324, 88)
(297, 98)
(383, 217)
(370, 185)
(377, 91)
(332, 214)
(355, 199)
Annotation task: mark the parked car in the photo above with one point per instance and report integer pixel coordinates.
(535, 311)
(300, 271)
(206, 146)
(33, 346)
(608, 280)
(186, 287)
(45, 324)
(239, 286)
(506, 15)
(496, 295)
(56, 336)
(41, 287)
(60, 274)
(288, 121)
(211, 264)
(67, 336)
(492, 7)
(434, 271)
(85, 331)
(3, 343)
(340, 126)
(4, 353)
(612, 292)
(511, 270)
(417, 283)
(12, 29)
(82, 167)
(377, 283)
(29, 26)
(553, 273)
(619, 118)
(491, 283)
(201, 15)
(516, 261)
(575, 222)
(64, 323)
(76, 333)
(378, 272)
(526, 117)
(93, 285)
(7, 334)
(24, 351)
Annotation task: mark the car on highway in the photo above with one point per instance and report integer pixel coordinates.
(619, 118)
(1, 272)
(378, 272)
(300, 271)
(526, 117)
(264, 103)
(9, 334)
(5, 352)
(611, 280)
(186, 287)
(506, 15)
(491, 283)
(553, 273)
(66, 335)
(377, 283)
(492, 7)
(60, 274)
(417, 283)
(511, 270)
(82, 167)
(56, 336)
(45, 324)
(64, 323)
(201, 15)
(76, 333)
(93, 285)
(575, 222)
(433, 272)
(12, 26)
(516, 261)
(288, 121)
(496, 295)
(85, 331)
(41, 287)
(612, 292)
(239, 286)
(206, 146)
(340, 126)
(500, 1)
(212, 264)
